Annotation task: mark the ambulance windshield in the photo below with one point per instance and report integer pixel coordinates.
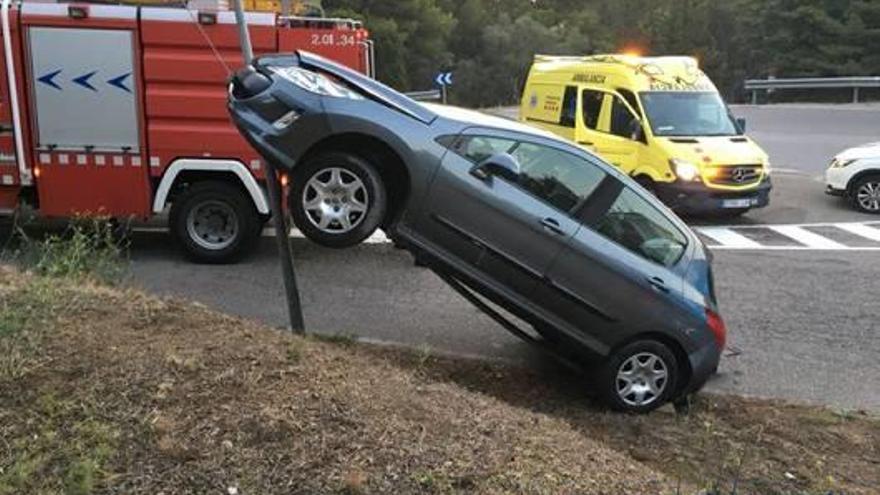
(687, 113)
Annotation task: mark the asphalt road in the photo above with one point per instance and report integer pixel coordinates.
(805, 321)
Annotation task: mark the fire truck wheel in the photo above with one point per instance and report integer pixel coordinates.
(214, 222)
(337, 199)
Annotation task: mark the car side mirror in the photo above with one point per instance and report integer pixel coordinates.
(637, 131)
(500, 164)
(741, 125)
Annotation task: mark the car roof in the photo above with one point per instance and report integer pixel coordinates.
(481, 119)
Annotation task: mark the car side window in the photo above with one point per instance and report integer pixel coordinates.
(592, 106)
(569, 107)
(621, 118)
(478, 148)
(638, 226)
(560, 179)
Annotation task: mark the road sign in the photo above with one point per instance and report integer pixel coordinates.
(443, 79)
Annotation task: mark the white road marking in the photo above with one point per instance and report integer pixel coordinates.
(807, 238)
(862, 230)
(378, 237)
(728, 238)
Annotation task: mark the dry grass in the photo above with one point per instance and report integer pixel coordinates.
(114, 391)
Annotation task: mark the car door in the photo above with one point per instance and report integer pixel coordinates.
(621, 273)
(617, 143)
(507, 229)
(588, 134)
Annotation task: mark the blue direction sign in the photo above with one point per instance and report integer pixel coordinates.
(443, 79)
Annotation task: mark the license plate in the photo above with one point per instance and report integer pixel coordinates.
(736, 203)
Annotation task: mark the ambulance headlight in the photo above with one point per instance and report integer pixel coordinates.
(316, 83)
(685, 170)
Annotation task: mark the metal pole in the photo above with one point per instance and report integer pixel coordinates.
(855, 94)
(247, 51)
(282, 241)
(282, 230)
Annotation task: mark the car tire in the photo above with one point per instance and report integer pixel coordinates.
(865, 195)
(214, 222)
(337, 199)
(639, 365)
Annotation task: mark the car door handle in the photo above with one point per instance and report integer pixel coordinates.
(552, 225)
(658, 284)
(586, 143)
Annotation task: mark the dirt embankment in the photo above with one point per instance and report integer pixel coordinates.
(105, 390)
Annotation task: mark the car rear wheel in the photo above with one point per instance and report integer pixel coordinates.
(214, 222)
(337, 199)
(866, 194)
(639, 377)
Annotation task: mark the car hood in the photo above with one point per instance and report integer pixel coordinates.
(720, 150)
(870, 150)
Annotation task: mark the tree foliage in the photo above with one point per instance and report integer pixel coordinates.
(489, 44)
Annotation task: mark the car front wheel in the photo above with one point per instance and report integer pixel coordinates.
(639, 377)
(866, 194)
(337, 199)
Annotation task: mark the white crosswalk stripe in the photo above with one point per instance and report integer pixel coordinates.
(729, 238)
(845, 236)
(806, 237)
(802, 237)
(861, 229)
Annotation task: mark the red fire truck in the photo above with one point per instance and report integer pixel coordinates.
(121, 111)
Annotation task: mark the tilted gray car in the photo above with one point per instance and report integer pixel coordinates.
(599, 267)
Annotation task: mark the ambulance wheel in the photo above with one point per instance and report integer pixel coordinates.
(214, 222)
(337, 199)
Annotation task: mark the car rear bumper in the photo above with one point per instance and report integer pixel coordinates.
(704, 364)
(695, 197)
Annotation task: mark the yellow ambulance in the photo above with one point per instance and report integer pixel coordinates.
(660, 120)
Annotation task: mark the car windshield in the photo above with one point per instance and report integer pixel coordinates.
(680, 113)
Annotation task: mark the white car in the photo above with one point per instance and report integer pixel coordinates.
(855, 175)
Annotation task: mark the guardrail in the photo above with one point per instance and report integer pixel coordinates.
(429, 95)
(856, 83)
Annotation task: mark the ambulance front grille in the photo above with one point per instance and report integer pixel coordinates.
(736, 175)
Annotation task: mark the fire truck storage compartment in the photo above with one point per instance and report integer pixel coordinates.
(85, 107)
(83, 92)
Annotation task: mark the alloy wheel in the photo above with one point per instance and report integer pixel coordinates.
(335, 200)
(641, 379)
(868, 196)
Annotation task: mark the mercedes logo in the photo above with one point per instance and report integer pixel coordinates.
(739, 174)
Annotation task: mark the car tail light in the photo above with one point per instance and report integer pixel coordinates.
(716, 325)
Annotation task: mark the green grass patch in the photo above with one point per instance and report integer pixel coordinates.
(25, 313)
(61, 447)
(88, 248)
